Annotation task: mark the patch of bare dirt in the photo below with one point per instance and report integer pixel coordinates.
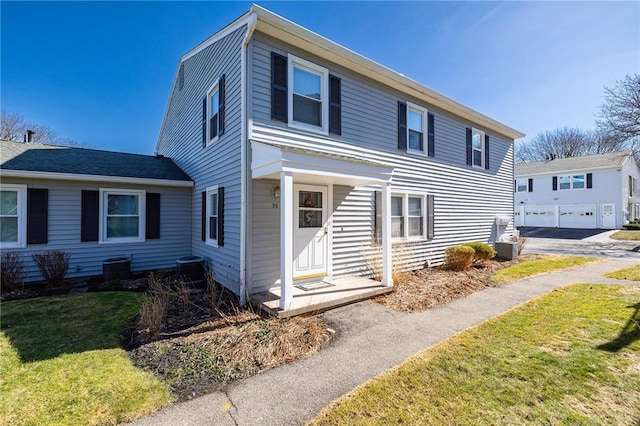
(432, 287)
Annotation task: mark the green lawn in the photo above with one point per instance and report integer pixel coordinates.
(626, 235)
(632, 273)
(61, 362)
(570, 357)
(539, 266)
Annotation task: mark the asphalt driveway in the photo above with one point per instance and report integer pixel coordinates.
(579, 242)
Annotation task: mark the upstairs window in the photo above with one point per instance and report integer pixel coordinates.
(213, 111)
(308, 95)
(477, 145)
(12, 216)
(522, 185)
(571, 182)
(416, 127)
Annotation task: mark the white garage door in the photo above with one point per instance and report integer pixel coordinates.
(578, 216)
(543, 216)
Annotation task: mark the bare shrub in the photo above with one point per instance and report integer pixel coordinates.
(522, 241)
(11, 272)
(53, 266)
(458, 258)
(399, 255)
(153, 310)
(184, 294)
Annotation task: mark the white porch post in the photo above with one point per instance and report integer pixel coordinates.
(286, 240)
(387, 278)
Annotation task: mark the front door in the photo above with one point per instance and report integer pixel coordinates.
(608, 216)
(310, 232)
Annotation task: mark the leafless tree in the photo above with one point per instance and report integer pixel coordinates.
(562, 142)
(13, 127)
(619, 118)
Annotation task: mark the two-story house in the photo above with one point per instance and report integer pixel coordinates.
(307, 157)
(591, 191)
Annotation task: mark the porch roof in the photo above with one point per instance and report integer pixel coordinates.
(270, 159)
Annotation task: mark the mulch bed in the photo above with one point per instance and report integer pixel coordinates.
(432, 287)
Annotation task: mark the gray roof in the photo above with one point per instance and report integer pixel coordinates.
(33, 157)
(584, 163)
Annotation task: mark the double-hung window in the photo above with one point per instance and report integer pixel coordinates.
(213, 109)
(13, 206)
(308, 95)
(212, 216)
(122, 215)
(571, 182)
(477, 147)
(416, 127)
(408, 219)
(522, 185)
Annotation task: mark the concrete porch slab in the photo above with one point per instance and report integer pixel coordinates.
(320, 296)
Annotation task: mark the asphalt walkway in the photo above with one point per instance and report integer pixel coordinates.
(369, 339)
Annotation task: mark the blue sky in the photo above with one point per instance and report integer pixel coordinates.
(100, 73)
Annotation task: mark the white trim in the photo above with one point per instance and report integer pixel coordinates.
(244, 142)
(294, 61)
(425, 128)
(482, 150)
(96, 178)
(329, 226)
(21, 201)
(405, 195)
(215, 87)
(104, 192)
(210, 191)
(245, 18)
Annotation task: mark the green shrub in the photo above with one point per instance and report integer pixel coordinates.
(482, 251)
(632, 226)
(458, 258)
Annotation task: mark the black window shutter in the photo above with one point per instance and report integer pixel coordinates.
(469, 147)
(220, 216)
(152, 216)
(431, 140)
(204, 122)
(377, 220)
(90, 216)
(486, 152)
(515, 185)
(430, 217)
(204, 216)
(554, 184)
(335, 105)
(37, 215)
(221, 99)
(589, 180)
(278, 87)
(402, 125)
(530, 185)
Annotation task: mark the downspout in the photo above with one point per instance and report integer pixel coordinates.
(251, 26)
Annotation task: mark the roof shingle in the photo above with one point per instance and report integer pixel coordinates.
(582, 163)
(82, 161)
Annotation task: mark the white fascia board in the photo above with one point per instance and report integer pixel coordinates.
(22, 174)
(385, 75)
(562, 172)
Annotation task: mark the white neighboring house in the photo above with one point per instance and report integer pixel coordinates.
(591, 191)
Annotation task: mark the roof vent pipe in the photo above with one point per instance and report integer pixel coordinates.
(29, 136)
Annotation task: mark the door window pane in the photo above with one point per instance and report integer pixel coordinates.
(310, 209)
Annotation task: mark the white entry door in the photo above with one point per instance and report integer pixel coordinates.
(310, 236)
(608, 216)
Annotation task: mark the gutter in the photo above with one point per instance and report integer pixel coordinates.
(251, 26)
(96, 178)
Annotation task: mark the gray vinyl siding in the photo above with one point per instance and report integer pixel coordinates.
(219, 164)
(467, 199)
(87, 257)
(264, 229)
